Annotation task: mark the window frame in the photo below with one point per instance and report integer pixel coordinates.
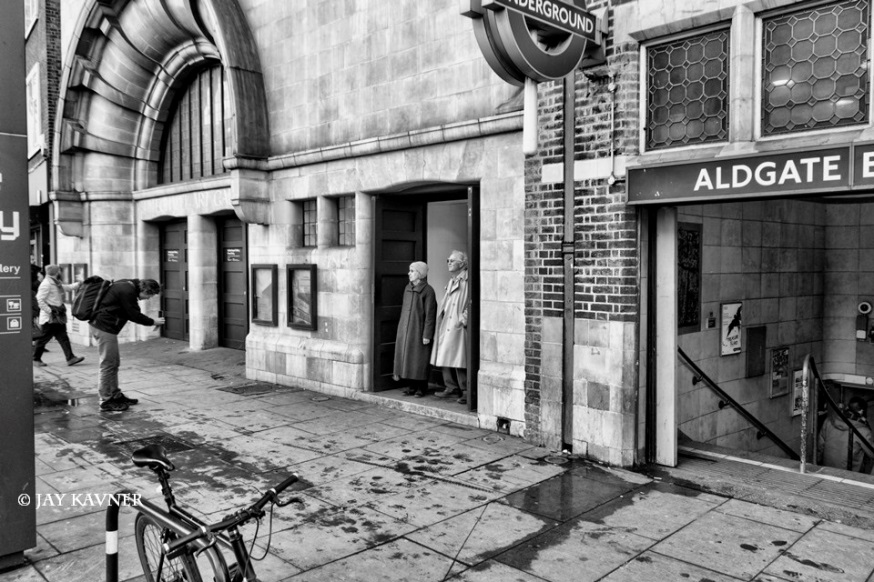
(758, 59)
(312, 237)
(33, 96)
(644, 52)
(349, 221)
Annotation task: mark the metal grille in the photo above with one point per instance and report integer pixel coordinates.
(688, 91)
(814, 65)
(197, 133)
(309, 223)
(346, 221)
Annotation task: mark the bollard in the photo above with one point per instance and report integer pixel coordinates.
(112, 536)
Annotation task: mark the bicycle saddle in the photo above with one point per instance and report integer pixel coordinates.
(153, 457)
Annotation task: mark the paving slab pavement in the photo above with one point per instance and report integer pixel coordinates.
(388, 495)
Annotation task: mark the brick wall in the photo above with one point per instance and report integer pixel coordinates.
(606, 253)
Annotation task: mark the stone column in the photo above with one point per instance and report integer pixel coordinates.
(147, 265)
(202, 283)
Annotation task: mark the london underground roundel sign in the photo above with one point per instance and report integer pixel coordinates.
(537, 39)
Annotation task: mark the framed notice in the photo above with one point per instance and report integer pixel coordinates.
(302, 296)
(797, 393)
(264, 294)
(65, 276)
(779, 385)
(730, 328)
(80, 273)
(688, 277)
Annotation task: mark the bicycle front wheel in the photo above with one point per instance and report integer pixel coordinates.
(149, 538)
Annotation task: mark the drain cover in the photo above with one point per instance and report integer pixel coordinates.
(557, 460)
(320, 398)
(170, 444)
(492, 439)
(249, 389)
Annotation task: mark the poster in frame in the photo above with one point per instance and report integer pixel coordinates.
(779, 379)
(264, 295)
(795, 402)
(730, 330)
(302, 297)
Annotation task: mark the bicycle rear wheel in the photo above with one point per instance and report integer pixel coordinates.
(149, 538)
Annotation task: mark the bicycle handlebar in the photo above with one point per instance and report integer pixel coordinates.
(238, 518)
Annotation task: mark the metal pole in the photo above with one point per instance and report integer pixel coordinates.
(805, 405)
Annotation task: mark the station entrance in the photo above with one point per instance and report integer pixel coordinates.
(422, 224)
(741, 293)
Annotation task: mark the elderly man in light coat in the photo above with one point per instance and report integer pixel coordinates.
(452, 337)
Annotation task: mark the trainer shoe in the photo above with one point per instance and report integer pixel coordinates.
(122, 398)
(39, 363)
(448, 394)
(113, 405)
(74, 360)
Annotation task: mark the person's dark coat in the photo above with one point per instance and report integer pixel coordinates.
(119, 306)
(418, 316)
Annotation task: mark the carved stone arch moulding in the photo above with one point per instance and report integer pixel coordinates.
(126, 59)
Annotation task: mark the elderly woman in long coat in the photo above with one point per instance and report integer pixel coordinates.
(415, 332)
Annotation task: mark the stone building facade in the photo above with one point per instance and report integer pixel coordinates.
(277, 165)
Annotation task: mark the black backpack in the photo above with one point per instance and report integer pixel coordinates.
(89, 297)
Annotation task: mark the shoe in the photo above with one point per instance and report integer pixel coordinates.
(39, 363)
(129, 401)
(462, 400)
(74, 360)
(419, 394)
(113, 405)
(408, 392)
(447, 394)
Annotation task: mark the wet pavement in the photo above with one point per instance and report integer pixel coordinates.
(389, 495)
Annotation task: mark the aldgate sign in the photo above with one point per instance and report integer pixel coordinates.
(535, 39)
(824, 171)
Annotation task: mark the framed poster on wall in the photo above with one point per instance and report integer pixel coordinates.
(302, 295)
(730, 328)
(688, 277)
(797, 394)
(264, 294)
(779, 385)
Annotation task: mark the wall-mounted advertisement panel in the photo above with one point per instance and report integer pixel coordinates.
(17, 494)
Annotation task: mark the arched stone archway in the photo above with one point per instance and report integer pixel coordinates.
(127, 59)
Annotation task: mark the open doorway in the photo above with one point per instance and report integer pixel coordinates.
(746, 291)
(424, 224)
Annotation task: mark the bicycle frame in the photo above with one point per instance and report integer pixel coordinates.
(182, 523)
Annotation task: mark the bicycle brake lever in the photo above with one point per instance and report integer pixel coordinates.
(290, 500)
(211, 541)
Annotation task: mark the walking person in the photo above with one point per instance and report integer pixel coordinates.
(117, 308)
(53, 316)
(415, 332)
(451, 338)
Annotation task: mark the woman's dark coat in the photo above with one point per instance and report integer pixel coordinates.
(418, 316)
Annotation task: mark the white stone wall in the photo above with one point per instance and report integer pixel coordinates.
(337, 357)
(343, 71)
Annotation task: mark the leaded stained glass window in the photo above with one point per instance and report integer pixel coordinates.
(687, 92)
(815, 68)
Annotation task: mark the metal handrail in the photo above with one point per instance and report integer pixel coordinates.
(808, 368)
(763, 430)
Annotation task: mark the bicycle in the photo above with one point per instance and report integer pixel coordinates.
(170, 543)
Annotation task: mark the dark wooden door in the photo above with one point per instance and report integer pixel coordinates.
(399, 241)
(233, 283)
(174, 279)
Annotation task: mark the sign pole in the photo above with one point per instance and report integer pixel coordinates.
(17, 474)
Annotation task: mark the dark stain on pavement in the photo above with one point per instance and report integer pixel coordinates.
(817, 565)
(749, 547)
